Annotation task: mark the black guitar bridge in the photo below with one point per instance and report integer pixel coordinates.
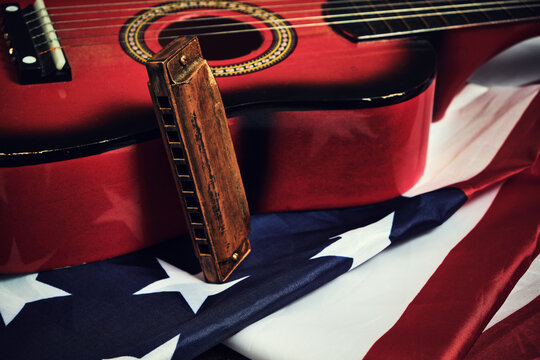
(33, 44)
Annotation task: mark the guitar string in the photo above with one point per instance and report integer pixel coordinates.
(382, 12)
(342, 8)
(366, 37)
(394, 11)
(80, 6)
(123, 3)
(423, 2)
(199, 11)
(392, 33)
(188, 12)
(305, 18)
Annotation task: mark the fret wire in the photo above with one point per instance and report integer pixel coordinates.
(420, 16)
(460, 13)
(420, 31)
(442, 17)
(481, 10)
(528, 8)
(362, 16)
(526, 5)
(502, 6)
(384, 21)
(402, 20)
(537, 4)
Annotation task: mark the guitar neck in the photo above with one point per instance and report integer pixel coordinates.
(375, 19)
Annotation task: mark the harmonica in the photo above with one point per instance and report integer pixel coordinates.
(195, 132)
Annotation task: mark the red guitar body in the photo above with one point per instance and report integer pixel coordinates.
(330, 123)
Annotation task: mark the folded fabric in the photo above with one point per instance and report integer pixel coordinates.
(149, 305)
(432, 296)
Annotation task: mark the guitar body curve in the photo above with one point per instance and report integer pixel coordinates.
(85, 178)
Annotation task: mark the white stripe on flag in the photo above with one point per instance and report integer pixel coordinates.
(526, 290)
(475, 126)
(344, 318)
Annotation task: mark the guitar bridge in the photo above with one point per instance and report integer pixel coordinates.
(195, 132)
(33, 44)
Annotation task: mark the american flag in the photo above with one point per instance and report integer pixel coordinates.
(418, 276)
(432, 296)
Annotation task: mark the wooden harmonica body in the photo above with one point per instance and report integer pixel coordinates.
(195, 132)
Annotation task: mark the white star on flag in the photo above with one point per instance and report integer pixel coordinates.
(361, 244)
(194, 290)
(18, 290)
(162, 352)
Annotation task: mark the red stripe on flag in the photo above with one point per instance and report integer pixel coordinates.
(515, 338)
(455, 305)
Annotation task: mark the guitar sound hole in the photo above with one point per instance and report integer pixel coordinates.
(235, 38)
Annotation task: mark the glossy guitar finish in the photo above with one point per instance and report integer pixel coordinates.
(333, 124)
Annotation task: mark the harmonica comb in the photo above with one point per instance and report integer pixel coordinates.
(195, 132)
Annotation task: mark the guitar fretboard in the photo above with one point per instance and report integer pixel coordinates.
(372, 19)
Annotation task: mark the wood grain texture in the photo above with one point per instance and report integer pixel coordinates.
(196, 135)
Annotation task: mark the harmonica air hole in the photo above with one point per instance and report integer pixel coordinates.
(187, 185)
(204, 249)
(177, 153)
(195, 218)
(199, 233)
(168, 119)
(173, 136)
(181, 168)
(163, 102)
(191, 202)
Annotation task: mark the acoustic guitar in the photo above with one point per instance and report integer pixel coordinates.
(328, 102)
